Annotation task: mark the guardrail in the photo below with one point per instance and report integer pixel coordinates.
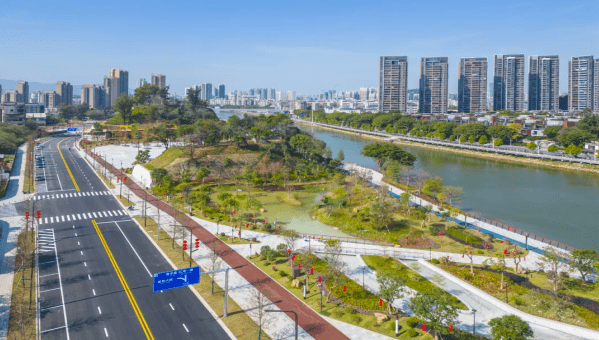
(397, 253)
(346, 239)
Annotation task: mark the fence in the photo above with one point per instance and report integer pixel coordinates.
(346, 239)
(396, 253)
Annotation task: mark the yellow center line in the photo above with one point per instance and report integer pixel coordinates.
(65, 164)
(140, 317)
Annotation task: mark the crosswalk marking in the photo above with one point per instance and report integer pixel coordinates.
(109, 213)
(46, 220)
(104, 213)
(62, 217)
(74, 217)
(68, 218)
(78, 216)
(94, 215)
(71, 194)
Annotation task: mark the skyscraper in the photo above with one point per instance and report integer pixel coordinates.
(23, 91)
(393, 83)
(159, 80)
(273, 94)
(64, 91)
(141, 82)
(115, 85)
(581, 82)
(543, 83)
(596, 87)
(433, 85)
(290, 95)
(49, 99)
(472, 85)
(508, 82)
(206, 93)
(221, 91)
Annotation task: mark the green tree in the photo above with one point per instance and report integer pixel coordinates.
(510, 327)
(158, 173)
(388, 152)
(553, 262)
(433, 186)
(143, 156)
(124, 106)
(583, 260)
(340, 156)
(436, 309)
(31, 124)
(498, 142)
(552, 131)
(463, 139)
(391, 287)
(335, 265)
(454, 194)
(162, 133)
(572, 149)
(552, 148)
(483, 140)
(471, 139)
(531, 146)
(574, 135)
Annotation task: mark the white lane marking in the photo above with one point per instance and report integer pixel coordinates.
(51, 219)
(49, 290)
(68, 218)
(185, 328)
(170, 304)
(109, 213)
(75, 234)
(48, 275)
(93, 193)
(95, 215)
(81, 252)
(53, 329)
(121, 213)
(40, 221)
(85, 264)
(103, 212)
(94, 292)
(62, 217)
(64, 311)
(46, 220)
(105, 332)
(142, 262)
(61, 196)
(89, 277)
(78, 243)
(78, 216)
(99, 310)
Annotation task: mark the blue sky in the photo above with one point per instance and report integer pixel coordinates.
(306, 46)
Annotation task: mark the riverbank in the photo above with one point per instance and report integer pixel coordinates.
(477, 154)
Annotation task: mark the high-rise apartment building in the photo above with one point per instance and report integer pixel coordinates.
(49, 99)
(64, 90)
(141, 82)
(543, 83)
(363, 93)
(34, 97)
(433, 85)
(0, 92)
(290, 95)
(393, 83)
(11, 96)
(596, 87)
(581, 82)
(115, 85)
(206, 93)
(508, 82)
(472, 85)
(279, 96)
(273, 94)
(221, 91)
(23, 91)
(159, 80)
(194, 87)
(94, 96)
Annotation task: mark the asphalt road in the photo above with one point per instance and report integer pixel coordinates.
(81, 295)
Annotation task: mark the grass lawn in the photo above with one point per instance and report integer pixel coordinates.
(572, 286)
(166, 158)
(386, 264)
(235, 240)
(124, 200)
(237, 320)
(106, 181)
(525, 299)
(28, 183)
(344, 314)
(21, 324)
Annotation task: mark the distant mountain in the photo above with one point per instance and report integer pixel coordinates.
(35, 86)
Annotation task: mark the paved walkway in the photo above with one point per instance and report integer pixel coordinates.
(11, 226)
(309, 320)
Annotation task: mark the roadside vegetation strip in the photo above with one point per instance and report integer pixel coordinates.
(29, 175)
(138, 313)
(526, 297)
(66, 165)
(278, 269)
(237, 320)
(412, 279)
(22, 320)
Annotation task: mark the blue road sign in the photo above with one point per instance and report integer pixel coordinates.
(176, 278)
(72, 129)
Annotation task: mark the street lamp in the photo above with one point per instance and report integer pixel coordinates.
(474, 322)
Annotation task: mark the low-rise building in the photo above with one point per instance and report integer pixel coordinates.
(13, 113)
(38, 117)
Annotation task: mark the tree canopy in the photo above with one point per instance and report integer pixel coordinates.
(388, 152)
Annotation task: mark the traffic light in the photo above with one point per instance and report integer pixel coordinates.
(37, 214)
(197, 243)
(184, 244)
(27, 215)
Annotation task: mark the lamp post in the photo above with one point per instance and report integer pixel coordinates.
(474, 322)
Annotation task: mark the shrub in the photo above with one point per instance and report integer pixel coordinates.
(463, 236)
(282, 273)
(356, 319)
(435, 261)
(338, 313)
(434, 231)
(350, 310)
(274, 268)
(392, 326)
(411, 332)
(480, 252)
(411, 321)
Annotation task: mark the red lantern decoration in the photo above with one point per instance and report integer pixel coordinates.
(471, 252)
(501, 241)
(320, 279)
(524, 258)
(440, 234)
(505, 251)
(487, 246)
(263, 221)
(312, 271)
(251, 215)
(299, 266)
(247, 225)
(236, 226)
(233, 211)
(450, 328)
(344, 289)
(293, 258)
(288, 251)
(462, 255)
(406, 237)
(423, 327)
(380, 302)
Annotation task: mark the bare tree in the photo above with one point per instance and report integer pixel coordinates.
(336, 266)
(215, 262)
(307, 260)
(291, 237)
(383, 208)
(553, 262)
(516, 254)
(260, 302)
(468, 252)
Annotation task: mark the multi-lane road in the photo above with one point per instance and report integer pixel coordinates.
(96, 264)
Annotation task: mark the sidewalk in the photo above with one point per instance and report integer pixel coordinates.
(309, 320)
(11, 226)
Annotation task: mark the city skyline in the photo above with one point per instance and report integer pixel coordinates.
(299, 56)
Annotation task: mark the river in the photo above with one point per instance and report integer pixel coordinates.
(560, 205)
